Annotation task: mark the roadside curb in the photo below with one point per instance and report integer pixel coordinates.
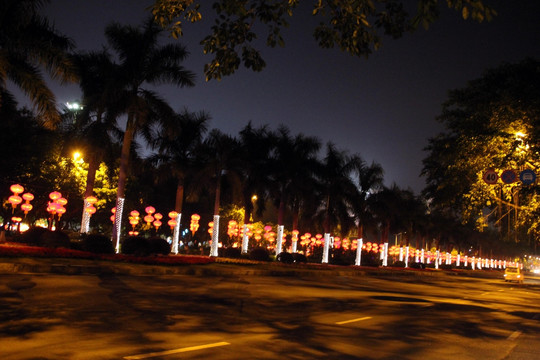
(91, 267)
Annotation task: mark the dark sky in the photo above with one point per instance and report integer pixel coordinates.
(382, 108)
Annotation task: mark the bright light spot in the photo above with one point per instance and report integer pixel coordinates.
(73, 106)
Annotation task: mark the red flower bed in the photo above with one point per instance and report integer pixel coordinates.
(17, 250)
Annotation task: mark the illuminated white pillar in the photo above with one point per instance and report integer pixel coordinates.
(245, 239)
(406, 256)
(85, 222)
(118, 223)
(359, 244)
(422, 256)
(457, 260)
(279, 240)
(215, 237)
(400, 253)
(326, 248)
(176, 234)
(437, 259)
(472, 263)
(385, 258)
(294, 245)
(466, 260)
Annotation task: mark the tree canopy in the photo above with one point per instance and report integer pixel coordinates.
(492, 123)
(356, 27)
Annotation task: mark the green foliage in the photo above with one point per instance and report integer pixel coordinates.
(259, 254)
(356, 27)
(141, 246)
(490, 123)
(285, 257)
(97, 244)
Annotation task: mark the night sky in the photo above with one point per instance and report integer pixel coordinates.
(383, 107)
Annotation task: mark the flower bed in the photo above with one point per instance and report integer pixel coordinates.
(17, 250)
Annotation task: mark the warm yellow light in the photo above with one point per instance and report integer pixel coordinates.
(520, 135)
(77, 156)
(254, 198)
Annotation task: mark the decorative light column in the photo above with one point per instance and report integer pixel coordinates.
(326, 248)
(359, 245)
(294, 244)
(279, 240)
(245, 239)
(89, 210)
(215, 237)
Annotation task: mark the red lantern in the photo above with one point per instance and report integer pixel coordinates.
(194, 225)
(28, 197)
(15, 200)
(62, 201)
(55, 195)
(91, 200)
(16, 189)
(91, 210)
(150, 210)
(26, 208)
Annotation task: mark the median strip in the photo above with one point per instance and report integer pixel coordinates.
(353, 320)
(175, 351)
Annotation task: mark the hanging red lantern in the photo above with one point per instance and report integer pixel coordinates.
(28, 197)
(91, 210)
(16, 189)
(15, 200)
(55, 195)
(150, 210)
(26, 208)
(91, 200)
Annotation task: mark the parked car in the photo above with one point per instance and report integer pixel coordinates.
(513, 273)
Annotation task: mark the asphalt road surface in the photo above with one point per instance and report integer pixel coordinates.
(46, 316)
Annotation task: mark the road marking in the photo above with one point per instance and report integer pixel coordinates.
(514, 335)
(353, 320)
(175, 351)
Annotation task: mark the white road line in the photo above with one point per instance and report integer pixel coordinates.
(175, 351)
(514, 335)
(353, 320)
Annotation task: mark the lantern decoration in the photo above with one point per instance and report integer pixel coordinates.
(56, 206)
(16, 189)
(194, 225)
(90, 209)
(26, 207)
(15, 199)
(113, 216)
(337, 242)
(157, 223)
(269, 235)
(258, 234)
(232, 228)
(172, 221)
(133, 219)
(148, 217)
(210, 227)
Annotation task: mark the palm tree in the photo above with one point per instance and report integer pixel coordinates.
(93, 128)
(338, 190)
(142, 61)
(370, 180)
(255, 151)
(293, 166)
(220, 159)
(27, 42)
(176, 146)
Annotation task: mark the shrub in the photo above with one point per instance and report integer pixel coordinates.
(233, 253)
(417, 265)
(97, 244)
(285, 257)
(135, 245)
(55, 239)
(33, 236)
(371, 259)
(398, 264)
(299, 258)
(157, 245)
(259, 254)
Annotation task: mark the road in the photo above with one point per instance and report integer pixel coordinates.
(51, 316)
